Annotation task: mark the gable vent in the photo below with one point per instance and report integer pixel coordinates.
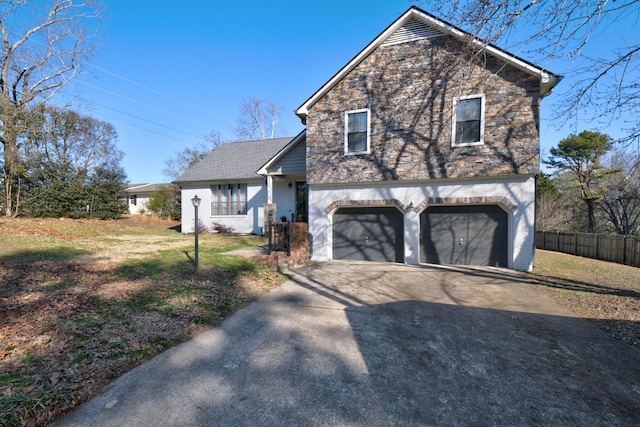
(412, 30)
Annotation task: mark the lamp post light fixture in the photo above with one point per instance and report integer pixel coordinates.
(196, 202)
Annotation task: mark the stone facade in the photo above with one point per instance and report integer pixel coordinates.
(409, 89)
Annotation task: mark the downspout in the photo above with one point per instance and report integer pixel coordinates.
(535, 215)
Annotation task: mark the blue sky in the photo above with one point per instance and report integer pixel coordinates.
(169, 72)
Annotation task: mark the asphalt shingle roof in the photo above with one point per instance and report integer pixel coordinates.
(143, 188)
(234, 161)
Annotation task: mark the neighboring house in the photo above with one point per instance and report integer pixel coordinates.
(138, 196)
(424, 148)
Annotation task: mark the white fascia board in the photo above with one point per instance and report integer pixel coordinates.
(136, 187)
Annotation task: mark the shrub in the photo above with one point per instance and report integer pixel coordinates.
(222, 229)
(165, 203)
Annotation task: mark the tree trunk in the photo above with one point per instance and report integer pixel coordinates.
(11, 173)
(10, 176)
(591, 216)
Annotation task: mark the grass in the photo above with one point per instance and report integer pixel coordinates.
(93, 299)
(7, 379)
(590, 275)
(86, 301)
(605, 293)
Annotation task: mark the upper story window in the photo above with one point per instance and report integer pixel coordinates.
(356, 131)
(229, 199)
(468, 120)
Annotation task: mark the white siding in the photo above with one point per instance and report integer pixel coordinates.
(284, 198)
(294, 162)
(252, 222)
(142, 200)
(520, 191)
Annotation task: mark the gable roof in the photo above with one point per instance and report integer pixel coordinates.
(417, 24)
(234, 161)
(143, 188)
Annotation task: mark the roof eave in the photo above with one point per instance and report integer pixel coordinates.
(201, 182)
(548, 83)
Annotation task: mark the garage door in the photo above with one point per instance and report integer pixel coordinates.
(468, 235)
(368, 234)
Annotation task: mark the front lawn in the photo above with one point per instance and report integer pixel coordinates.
(82, 302)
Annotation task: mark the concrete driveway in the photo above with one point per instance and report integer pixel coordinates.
(367, 344)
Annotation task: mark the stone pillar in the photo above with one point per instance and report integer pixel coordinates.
(270, 213)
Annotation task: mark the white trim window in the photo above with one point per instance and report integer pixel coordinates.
(356, 131)
(468, 121)
(228, 199)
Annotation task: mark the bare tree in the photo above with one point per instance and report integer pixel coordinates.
(259, 119)
(561, 31)
(43, 45)
(180, 162)
(552, 213)
(622, 202)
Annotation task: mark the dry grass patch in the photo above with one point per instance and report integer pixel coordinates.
(603, 292)
(82, 302)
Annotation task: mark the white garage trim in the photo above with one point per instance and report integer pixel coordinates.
(329, 210)
(513, 194)
(501, 201)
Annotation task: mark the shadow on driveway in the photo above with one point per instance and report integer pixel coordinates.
(368, 344)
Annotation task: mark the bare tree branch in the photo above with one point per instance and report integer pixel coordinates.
(180, 162)
(259, 119)
(560, 34)
(41, 50)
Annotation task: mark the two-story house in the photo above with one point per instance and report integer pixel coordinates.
(424, 148)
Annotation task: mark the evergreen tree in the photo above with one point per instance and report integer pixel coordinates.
(73, 167)
(580, 155)
(106, 191)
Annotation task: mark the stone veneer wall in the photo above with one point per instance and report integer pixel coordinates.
(409, 89)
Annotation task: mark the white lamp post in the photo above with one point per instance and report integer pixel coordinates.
(196, 202)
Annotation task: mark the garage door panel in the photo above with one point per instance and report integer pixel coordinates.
(368, 234)
(467, 235)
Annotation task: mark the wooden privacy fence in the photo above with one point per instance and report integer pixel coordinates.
(607, 247)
